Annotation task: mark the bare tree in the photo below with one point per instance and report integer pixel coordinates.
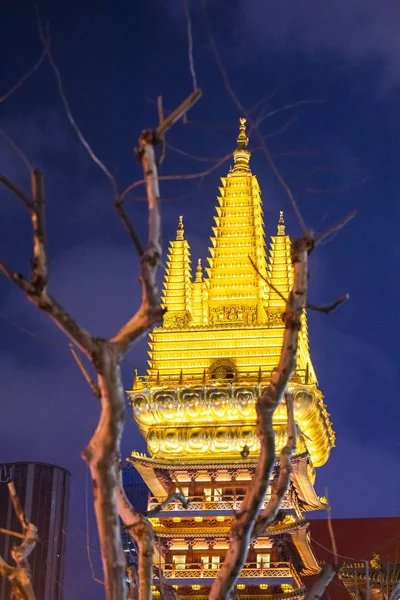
(20, 575)
(103, 450)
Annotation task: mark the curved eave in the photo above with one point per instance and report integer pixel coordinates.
(303, 485)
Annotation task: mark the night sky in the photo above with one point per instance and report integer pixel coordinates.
(339, 151)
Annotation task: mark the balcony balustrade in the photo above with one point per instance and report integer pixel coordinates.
(179, 378)
(226, 502)
(274, 573)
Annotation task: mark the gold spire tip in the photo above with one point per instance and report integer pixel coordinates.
(241, 155)
(199, 272)
(281, 224)
(180, 231)
(242, 139)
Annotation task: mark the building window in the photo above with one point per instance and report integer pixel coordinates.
(263, 561)
(210, 562)
(213, 494)
(179, 560)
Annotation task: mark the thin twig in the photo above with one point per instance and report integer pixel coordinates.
(270, 159)
(331, 532)
(24, 77)
(328, 309)
(178, 113)
(67, 108)
(160, 110)
(87, 516)
(92, 384)
(12, 533)
(157, 509)
(267, 281)
(17, 149)
(335, 228)
(190, 43)
(139, 182)
(15, 190)
(126, 221)
(19, 511)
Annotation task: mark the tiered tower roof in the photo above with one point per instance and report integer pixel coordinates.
(226, 328)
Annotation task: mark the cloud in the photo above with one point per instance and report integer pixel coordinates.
(354, 30)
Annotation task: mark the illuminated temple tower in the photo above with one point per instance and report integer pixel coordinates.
(219, 343)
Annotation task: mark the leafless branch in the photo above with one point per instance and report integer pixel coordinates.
(12, 533)
(183, 177)
(87, 520)
(141, 531)
(270, 159)
(16, 191)
(92, 384)
(267, 281)
(160, 110)
(126, 221)
(24, 77)
(242, 528)
(321, 582)
(66, 105)
(176, 496)
(190, 43)
(335, 228)
(20, 576)
(16, 149)
(332, 534)
(269, 513)
(282, 129)
(328, 309)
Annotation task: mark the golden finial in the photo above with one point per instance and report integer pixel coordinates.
(180, 231)
(199, 272)
(241, 155)
(242, 139)
(281, 224)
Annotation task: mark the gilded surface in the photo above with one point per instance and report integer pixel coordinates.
(198, 420)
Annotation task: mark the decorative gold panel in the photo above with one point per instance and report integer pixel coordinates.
(178, 420)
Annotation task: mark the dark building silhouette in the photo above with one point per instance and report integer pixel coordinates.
(138, 494)
(43, 490)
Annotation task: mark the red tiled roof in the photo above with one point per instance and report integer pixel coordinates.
(356, 540)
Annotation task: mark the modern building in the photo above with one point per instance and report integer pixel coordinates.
(368, 553)
(214, 354)
(138, 494)
(43, 490)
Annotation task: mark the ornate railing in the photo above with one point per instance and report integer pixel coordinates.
(174, 379)
(225, 502)
(250, 570)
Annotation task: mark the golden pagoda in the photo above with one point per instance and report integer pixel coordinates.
(215, 352)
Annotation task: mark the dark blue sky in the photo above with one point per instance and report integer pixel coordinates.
(338, 154)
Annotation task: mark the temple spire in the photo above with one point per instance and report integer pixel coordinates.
(281, 224)
(177, 290)
(180, 232)
(241, 155)
(199, 272)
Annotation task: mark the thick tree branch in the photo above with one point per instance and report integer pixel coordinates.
(269, 513)
(150, 311)
(141, 531)
(242, 528)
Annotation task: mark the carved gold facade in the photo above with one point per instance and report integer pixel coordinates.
(209, 362)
